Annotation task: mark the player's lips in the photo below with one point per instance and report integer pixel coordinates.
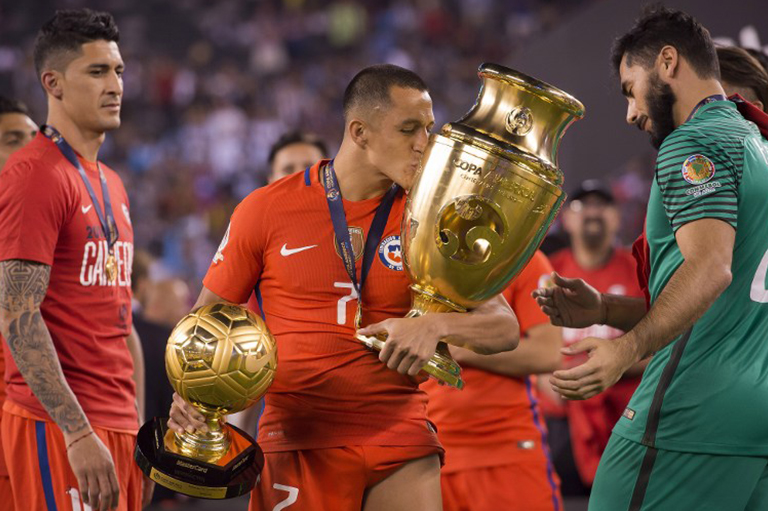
(115, 107)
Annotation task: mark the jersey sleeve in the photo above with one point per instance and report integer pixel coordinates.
(237, 264)
(698, 180)
(518, 294)
(35, 203)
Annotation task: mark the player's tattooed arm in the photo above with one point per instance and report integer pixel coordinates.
(23, 285)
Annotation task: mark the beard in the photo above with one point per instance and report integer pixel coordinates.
(594, 232)
(660, 100)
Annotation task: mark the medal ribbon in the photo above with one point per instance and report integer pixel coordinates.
(341, 229)
(705, 101)
(106, 217)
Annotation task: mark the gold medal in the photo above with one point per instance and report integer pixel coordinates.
(111, 268)
(359, 315)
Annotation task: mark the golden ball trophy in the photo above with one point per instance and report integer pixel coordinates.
(488, 189)
(221, 359)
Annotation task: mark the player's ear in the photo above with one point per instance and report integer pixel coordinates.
(51, 81)
(358, 132)
(668, 61)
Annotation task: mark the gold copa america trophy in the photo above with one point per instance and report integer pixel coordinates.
(488, 189)
(220, 358)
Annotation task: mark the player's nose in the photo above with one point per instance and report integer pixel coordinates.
(421, 141)
(632, 112)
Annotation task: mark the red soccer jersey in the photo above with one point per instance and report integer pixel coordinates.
(329, 390)
(47, 216)
(494, 416)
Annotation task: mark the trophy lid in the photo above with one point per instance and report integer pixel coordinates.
(534, 86)
(520, 112)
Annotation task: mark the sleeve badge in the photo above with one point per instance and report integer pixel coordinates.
(698, 169)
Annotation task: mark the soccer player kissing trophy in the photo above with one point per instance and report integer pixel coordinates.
(488, 189)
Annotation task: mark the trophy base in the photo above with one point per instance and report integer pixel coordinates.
(233, 475)
(441, 366)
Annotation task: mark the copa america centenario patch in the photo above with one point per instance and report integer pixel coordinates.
(698, 169)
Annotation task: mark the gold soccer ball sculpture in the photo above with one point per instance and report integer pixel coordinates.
(221, 358)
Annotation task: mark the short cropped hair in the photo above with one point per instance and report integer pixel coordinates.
(296, 137)
(12, 106)
(660, 26)
(371, 86)
(65, 33)
(740, 69)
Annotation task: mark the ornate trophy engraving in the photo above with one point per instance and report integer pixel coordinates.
(488, 189)
(221, 359)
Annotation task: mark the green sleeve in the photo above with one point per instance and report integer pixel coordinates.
(698, 180)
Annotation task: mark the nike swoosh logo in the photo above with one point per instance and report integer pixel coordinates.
(285, 251)
(86, 209)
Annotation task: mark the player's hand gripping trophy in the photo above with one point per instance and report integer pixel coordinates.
(486, 194)
(221, 359)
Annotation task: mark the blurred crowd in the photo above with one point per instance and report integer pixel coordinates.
(210, 86)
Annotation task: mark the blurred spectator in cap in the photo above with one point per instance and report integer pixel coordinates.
(579, 430)
(16, 127)
(294, 152)
(742, 74)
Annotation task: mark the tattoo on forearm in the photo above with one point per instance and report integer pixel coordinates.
(23, 285)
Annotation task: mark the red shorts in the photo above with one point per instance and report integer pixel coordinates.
(528, 484)
(39, 470)
(6, 495)
(329, 479)
(6, 492)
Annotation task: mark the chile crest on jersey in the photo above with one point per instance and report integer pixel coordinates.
(391, 253)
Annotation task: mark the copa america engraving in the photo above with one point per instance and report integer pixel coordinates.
(487, 191)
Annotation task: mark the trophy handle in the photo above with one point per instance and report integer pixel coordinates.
(441, 366)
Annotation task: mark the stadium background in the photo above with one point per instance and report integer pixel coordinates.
(210, 85)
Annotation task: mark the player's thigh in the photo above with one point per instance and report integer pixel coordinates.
(311, 480)
(634, 477)
(415, 485)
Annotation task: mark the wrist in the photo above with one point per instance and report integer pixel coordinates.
(629, 350)
(70, 435)
(71, 439)
(437, 325)
(602, 310)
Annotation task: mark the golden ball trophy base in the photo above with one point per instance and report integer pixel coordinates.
(165, 457)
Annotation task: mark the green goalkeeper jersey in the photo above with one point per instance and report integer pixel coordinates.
(707, 391)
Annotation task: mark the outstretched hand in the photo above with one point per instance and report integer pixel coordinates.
(570, 302)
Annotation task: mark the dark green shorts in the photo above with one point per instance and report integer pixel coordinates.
(632, 477)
